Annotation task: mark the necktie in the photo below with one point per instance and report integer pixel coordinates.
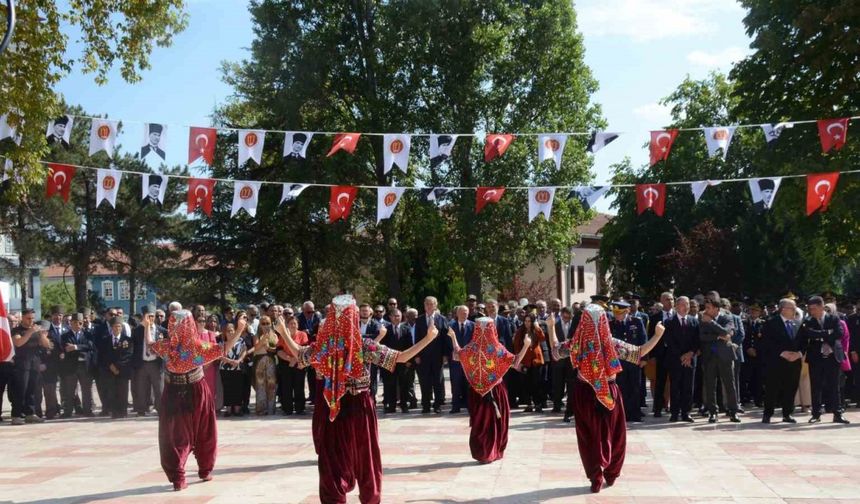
(683, 322)
(462, 329)
(789, 328)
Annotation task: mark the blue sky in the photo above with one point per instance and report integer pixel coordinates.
(639, 51)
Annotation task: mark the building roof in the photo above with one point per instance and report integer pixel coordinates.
(55, 271)
(594, 227)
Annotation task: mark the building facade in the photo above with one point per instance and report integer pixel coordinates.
(9, 285)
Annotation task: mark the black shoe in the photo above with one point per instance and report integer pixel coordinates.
(455, 411)
(566, 419)
(657, 414)
(425, 410)
(404, 409)
(837, 418)
(765, 419)
(556, 410)
(741, 410)
(673, 418)
(687, 418)
(789, 419)
(528, 409)
(89, 414)
(815, 419)
(712, 418)
(734, 418)
(437, 410)
(141, 413)
(65, 416)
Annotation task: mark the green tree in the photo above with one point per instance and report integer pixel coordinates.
(58, 294)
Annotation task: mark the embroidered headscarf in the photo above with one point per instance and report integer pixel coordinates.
(336, 354)
(593, 354)
(183, 350)
(485, 361)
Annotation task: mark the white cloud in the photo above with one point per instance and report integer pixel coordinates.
(647, 20)
(654, 114)
(723, 58)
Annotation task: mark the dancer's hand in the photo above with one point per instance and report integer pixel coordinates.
(451, 333)
(432, 331)
(659, 329)
(527, 341)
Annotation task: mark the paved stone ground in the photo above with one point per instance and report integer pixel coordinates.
(426, 460)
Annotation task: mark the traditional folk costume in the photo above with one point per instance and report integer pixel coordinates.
(344, 424)
(485, 362)
(601, 431)
(187, 422)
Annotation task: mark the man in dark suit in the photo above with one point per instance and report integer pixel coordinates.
(682, 343)
(391, 340)
(463, 329)
(734, 311)
(115, 350)
(147, 366)
(562, 369)
(659, 353)
(780, 350)
(406, 371)
(430, 360)
(50, 376)
(76, 363)
(309, 321)
(853, 322)
(821, 336)
(718, 357)
(629, 329)
(371, 328)
(752, 370)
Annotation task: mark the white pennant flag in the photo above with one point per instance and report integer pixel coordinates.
(251, 145)
(763, 191)
(387, 199)
(154, 187)
(245, 195)
(699, 187)
(551, 147)
(588, 195)
(107, 186)
(296, 144)
(7, 131)
(440, 148)
(291, 192)
(599, 140)
(719, 137)
(103, 136)
(772, 131)
(60, 131)
(154, 140)
(540, 201)
(396, 151)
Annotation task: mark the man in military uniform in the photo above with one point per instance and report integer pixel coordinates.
(630, 329)
(752, 368)
(76, 362)
(821, 335)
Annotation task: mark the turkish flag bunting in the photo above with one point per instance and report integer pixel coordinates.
(833, 133)
(495, 145)
(651, 196)
(344, 141)
(488, 195)
(200, 195)
(201, 144)
(59, 180)
(340, 202)
(819, 190)
(661, 144)
(7, 348)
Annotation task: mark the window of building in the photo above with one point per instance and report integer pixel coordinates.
(141, 291)
(580, 279)
(572, 276)
(122, 286)
(107, 290)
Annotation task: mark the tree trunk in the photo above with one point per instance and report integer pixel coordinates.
(80, 277)
(85, 256)
(132, 285)
(305, 254)
(23, 274)
(472, 276)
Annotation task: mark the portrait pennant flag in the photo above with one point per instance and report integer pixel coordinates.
(651, 196)
(588, 195)
(251, 146)
(246, 194)
(107, 185)
(495, 145)
(340, 202)
(599, 140)
(291, 192)
(819, 191)
(540, 201)
(551, 147)
(435, 193)
(296, 144)
(661, 144)
(103, 136)
(699, 187)
(345, 142)
(396, 151)
(8, 131)
(200, 195)
(772, 131)
(154, 141)
(488, 195)
(763, 192)
(387, 199)
(719, 137)
(154, 187)
(59, 180)
(201, 144)
(833, 133)
(440, 148)
(59, 131)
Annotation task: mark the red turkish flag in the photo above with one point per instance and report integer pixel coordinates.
(833, 133)
(7, 349)
(651, 196)
(200, 195)
(201, 144)
(495, 145)
(819, 190)
(488, 195)
(661, 144)
(59, 180)
(340, 202)
(344, 141)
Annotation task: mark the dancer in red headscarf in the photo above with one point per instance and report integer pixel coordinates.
(345, 431)
(186, 421)
(601, 431)
(485, 362)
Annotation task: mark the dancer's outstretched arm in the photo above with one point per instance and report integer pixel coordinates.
(659, 329)
(527, 342)
(407, 355)
(456, 353)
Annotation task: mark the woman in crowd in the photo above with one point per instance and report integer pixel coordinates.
(247, 336)
(265, 347)
(532, 362)
(485, 362)
(291, 378)
(211, 371)
(845, 366)
(232, 375)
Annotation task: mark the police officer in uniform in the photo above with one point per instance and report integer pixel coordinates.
(630, 329)
(752, 370)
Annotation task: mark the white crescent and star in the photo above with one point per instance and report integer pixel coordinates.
(648, 192)
(660, 137)
(500, 141)
(489, 194)
(205, 140)
(340, 198)
(822, 183)
(197, 191)
(836, 136)
(58, 174)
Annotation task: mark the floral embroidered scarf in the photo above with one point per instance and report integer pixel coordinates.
(485, 361)
(593, 354)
